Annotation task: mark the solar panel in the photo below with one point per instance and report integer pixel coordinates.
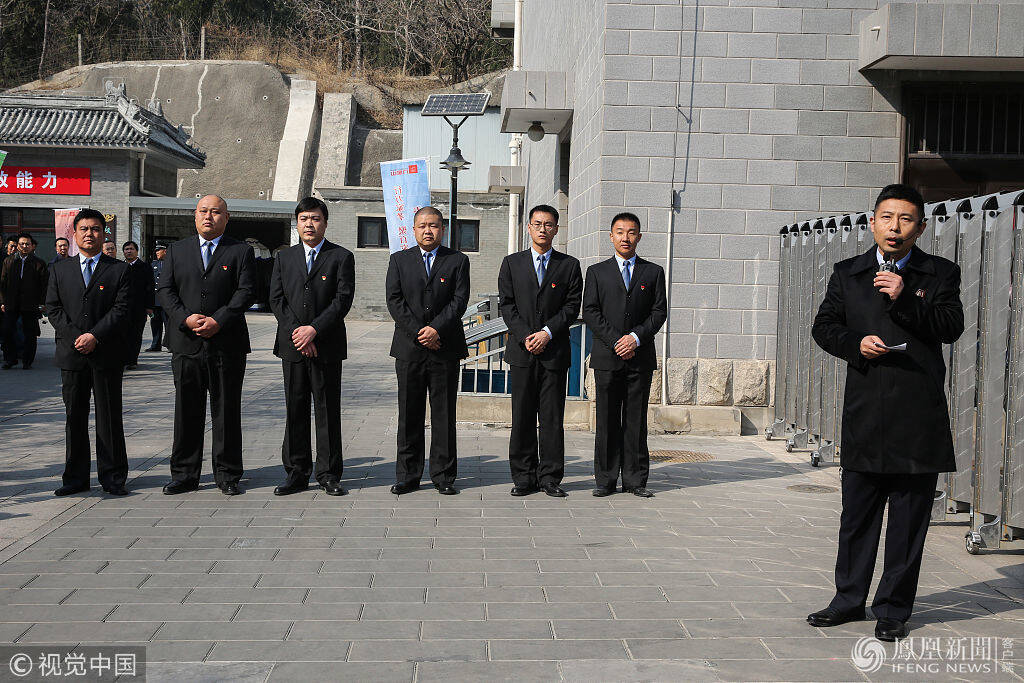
(456, 104)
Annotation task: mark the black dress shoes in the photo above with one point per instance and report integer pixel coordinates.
(132, 366)
(230, 490)
(833, 616)
(176, 486)
(8, 366)
(151, 349)
(332, 487)
(288, 488)
(601, 492)
(446, 490)
(891, 629)
(405, 487)
(640, 492)
(116, 490)
(523, 490)
(554, 490)
(71, 489)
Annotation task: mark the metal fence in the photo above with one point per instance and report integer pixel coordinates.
(985, 368)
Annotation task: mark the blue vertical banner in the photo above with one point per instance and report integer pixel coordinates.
(406, 186)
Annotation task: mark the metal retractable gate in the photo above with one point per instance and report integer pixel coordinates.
(985, 368)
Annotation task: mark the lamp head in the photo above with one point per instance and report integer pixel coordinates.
(535, 132)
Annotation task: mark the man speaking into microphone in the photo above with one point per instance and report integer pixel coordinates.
(887, 313)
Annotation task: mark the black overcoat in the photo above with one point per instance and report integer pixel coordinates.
(895, 416)
(527, 307)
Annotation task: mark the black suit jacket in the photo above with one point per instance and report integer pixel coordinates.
(141, 287)
(102, 309)
(224, 291)
(23, 292)
(527, 307)
(611, 312)
(895, 418)
(322, 298)
(416, 301)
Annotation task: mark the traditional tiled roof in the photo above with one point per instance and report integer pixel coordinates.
(109, 122)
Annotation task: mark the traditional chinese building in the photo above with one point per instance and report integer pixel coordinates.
(74, 151)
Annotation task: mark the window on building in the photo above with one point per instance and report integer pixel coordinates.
(963, 139)
(373, 233)
(467, 235)
(10, 221)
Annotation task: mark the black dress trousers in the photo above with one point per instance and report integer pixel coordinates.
(220, 375)
(865, 494)
(104, 385)
(538, 398)
(156, 328)
(621, 441)
(307, 383)
(30, 330)
(138, 325)
(417, 378)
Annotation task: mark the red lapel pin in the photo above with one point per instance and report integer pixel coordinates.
(642, 287)
(920, 293)
(101, 287)
(323, 277)
(442, 279)
(552, 285)
(224, 267)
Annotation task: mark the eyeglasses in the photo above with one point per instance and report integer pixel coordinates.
(546, 226)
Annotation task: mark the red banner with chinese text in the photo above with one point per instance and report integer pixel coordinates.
(45, 180)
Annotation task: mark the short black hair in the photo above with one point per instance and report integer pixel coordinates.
(626, 216)
(543, 208)
(62, 238)
(311, 204)
(902, 192)
(90, 213)
(428, 209)
(108, 241)
(26, 236)
(131, 242)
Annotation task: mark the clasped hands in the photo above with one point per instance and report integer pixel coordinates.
(625, 348)
(302, 337)
(428, 337)
(202, 325)
(537, 342)
(86, 343)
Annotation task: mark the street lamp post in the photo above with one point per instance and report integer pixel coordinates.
(454, 163)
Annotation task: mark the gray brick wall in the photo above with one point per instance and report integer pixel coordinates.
(775, 124)
(346, 205)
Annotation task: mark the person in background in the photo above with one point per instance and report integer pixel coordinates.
(61, 246)
(109, 248)
(141, 299)
(157, 320)
(22, 291)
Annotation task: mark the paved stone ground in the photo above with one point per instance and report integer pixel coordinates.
(710, 580)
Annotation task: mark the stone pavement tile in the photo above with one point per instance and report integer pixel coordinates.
(756, 594)
(285, 651)
(196, 672)
(50, 567)
(504, 629)
(454, 566)
(113, 554)
(208, 612)
(426, 579)
(622, 565)
(21, 580)
(164, 566)
(328, 553)
(487, 671)
(523, 594)
(310, 611)
(663, 578)
(541, 579)
(57, 613)
(354, 630)
(402, 611)
(84, 581)
(776, 610)
(368, 595)
(512, 650)
(814, 647)
(203, 580)
(755, 628)
(33, 596)
(379, 672)
(312, 580)
(375, 566)
(91, 632)
(418, 651)
(547, 553)
(223, 630)
(587, 671)
(246, 595)
(106, 596)
(548, 610)
(605, 594)
(268, 566)
(176, 651)
(698, 648)
(787, 670)
(10, 630)
(572, 629)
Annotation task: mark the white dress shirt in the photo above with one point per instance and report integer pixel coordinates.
(316, 250)
(632, 272)
(547, 264)
(82, 258)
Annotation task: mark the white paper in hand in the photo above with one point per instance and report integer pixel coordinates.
(898, 347)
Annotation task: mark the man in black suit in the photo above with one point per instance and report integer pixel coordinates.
(143, 295)
(61, 246)
(87, 302)
(22, 292)
(896, 433)
(539, 296)
(206, 287)
(159, 317)
(311, 292)
(427, 292)
(624, 305)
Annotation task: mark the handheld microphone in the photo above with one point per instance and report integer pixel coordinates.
(888, 265)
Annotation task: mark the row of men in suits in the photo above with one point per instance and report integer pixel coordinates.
(207, 283)
(23, 277)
